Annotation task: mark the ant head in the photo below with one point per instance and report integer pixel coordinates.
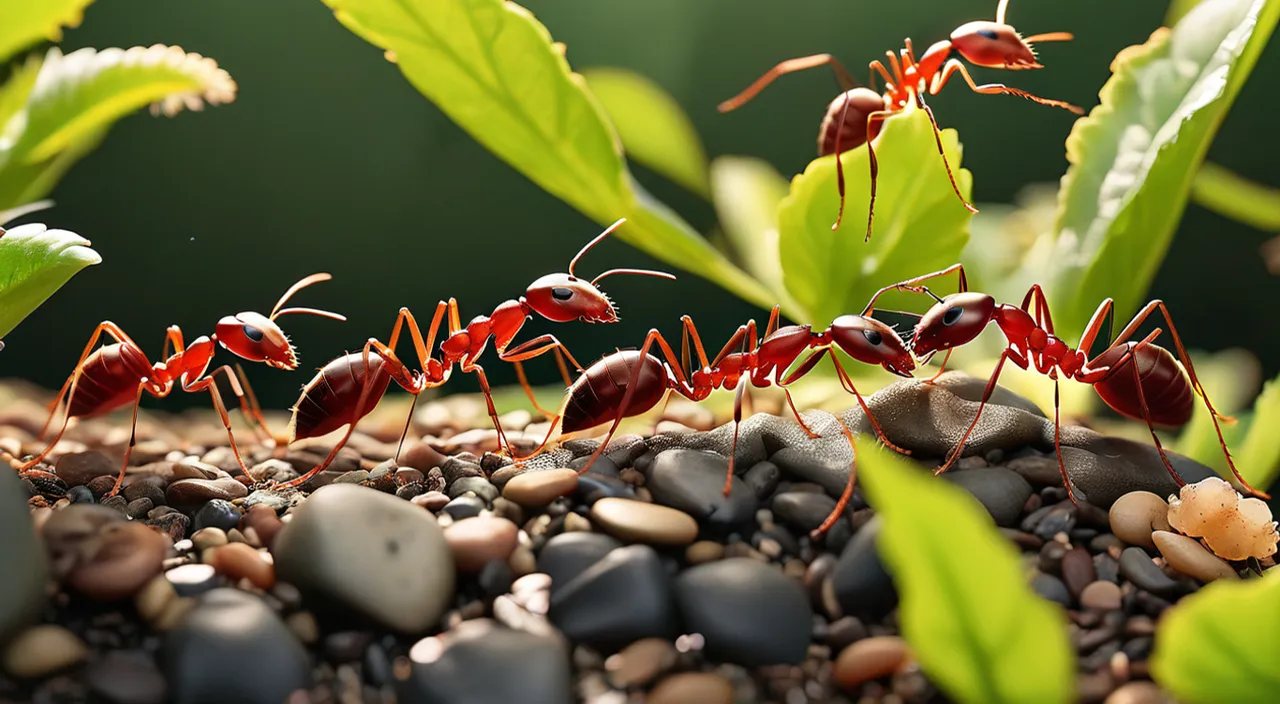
(562, 298)
(257, 338)
(993, 45)
(953, 321)
(872, 342)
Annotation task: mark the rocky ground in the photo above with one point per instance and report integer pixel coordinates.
(455, 577)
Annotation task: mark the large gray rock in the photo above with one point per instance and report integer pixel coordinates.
(27, 567)
(370, 552)
(480, 662)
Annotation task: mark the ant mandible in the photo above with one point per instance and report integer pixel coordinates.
(1139, 380)
(856, 116)
(113, 376)
(349, 388)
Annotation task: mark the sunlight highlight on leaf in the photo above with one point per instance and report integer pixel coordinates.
(34, 263)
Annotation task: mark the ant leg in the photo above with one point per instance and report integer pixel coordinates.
(986, 396)
(794, 411)
(790, 66)
(533, 348)
(493, 409)
(843, 503)
(847, 382)
(878, 116)
(937, 135)
(953, 66)
(844, 110)
(528, 389)
(133, 440)
(212, 386)
(913, 285)
(1057, 442)
(737, 421)
(1146, 416)
(942, 369)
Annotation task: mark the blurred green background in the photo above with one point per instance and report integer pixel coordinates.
(329, 160)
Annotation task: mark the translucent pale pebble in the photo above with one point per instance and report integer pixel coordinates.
(1235, 528)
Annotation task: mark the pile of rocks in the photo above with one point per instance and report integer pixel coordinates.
(464, 578)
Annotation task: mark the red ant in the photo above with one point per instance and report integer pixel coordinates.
(348, 388)
(596, 396)
(857, 114)
(115, 375)
(1139, 380)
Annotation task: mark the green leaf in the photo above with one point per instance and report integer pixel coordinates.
(1230, 194)
(1231, 378)
(1259, 457)
(1134, 157)
(920, 224)
(1221, 643)
(652, 126)
(27, 22)
(979, 631)
(78, 95)
(746, 192)
(1177, 10)
(493, 69)
(34, 263)
(14, 93)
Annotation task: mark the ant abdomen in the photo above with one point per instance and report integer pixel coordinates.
(853, 130)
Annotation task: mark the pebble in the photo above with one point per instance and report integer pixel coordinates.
(475, 541)
(463, 507)
(692, 688)
(194, 579)
(636, 521)
(802, 510)
(22, 589)
(763, 478)
(623, 597)
(640, 663)
(535, 489)
(693, 482)
(703, 551)
(749, 613)
(1003, 492)
(43, 650)
(870, 659)
(172, 524)
(861, 584)
(128, 556)
(1104, 596)
(1051, 588)
(303, 625)
(1139, 692)
(274, 500)
(479, 662)
(1077, 570)
(1136, 514)
(239, 561)
(1138, 568)
(138, 507)
(230, 646)
(82, 495)
(126, 677)
(82, 467)
(208, 538)
(570, 554)
(186, 494)
(263, 522)
(477, 485)
(152, 600)
(376, 554)
(1191, 558)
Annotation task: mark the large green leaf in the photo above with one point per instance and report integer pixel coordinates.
(653, 128)
(1221, 644)
(1178, 9)
(920, 224)
(1134, 157)
(1259, 457)
(1226, 192)
(34, 263)
(979, 631)
(746, 192)
(26, 22)
(493, 69)
(1231, 378)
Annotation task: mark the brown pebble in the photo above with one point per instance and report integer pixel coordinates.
(641, 662)
(210, 537)
(43, 650)
(304, 626)
(1137, 513)
(703, 551)
(173, 613)
(263, 521)
(692, 688)
(129, 556)
(870, 659)
(640, 522)
(191, 493)
(1142, 692)
(239, 561)
(574, 523)
(1191, 558)
(152, 600)
(432, 500)
(82, 467)
(477, 540)
(1077, 570)
(538, 488)
(1101, 595)
(522, 562)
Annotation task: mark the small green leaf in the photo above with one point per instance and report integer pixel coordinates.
(1177, 10)
(1231, 378)
(493, 69)
(979, 631)
(34, 263)
(1259, 457)
(1230, 194)
(746, 192)
(27, 22)
(1134, 157)
(920, 224)
(652, 126)
(1221, 643)
(14, 93)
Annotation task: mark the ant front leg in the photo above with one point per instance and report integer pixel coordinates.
(847, 382)
(208, 383)
(953, 66)
(1008, 354)
(133, 439)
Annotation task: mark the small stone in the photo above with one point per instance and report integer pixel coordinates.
(749, 613)
(763, 478)
(42, 650)
(1136, 514)
(126, 677)
(82, 467)
(1077, 570)
(463, 507)
(479, 486)
(479, 662)
(495, 578)
(187, 494)
(128, 556)
(623, 597)
(239, 561)
(138, 508)
(80, 495)
(208, 538)
(1002, 491)
(570, 554)
(535, 489)
(703, 551)
(193, 579)
(870, 659)
(304, 626)
(860, 582)
(1051, 588)
(1103, 596)
(640, 663)
(1191, 558)
(692, 688)
(152, 600)
(475, 541)
(636, 521)
(693, 481)
(276, 501)
(1137, 567)
(802, 510)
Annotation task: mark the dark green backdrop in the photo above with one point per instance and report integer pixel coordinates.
(330, 160)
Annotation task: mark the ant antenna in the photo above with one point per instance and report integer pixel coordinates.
(1004, 5)
(608, 231)
(276, 312)
(639, 272)
(932, 295)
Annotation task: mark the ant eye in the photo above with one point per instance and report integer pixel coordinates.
(254, 334)
(561, 294)
(952, 315)
(988, 33)
(873, 336)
